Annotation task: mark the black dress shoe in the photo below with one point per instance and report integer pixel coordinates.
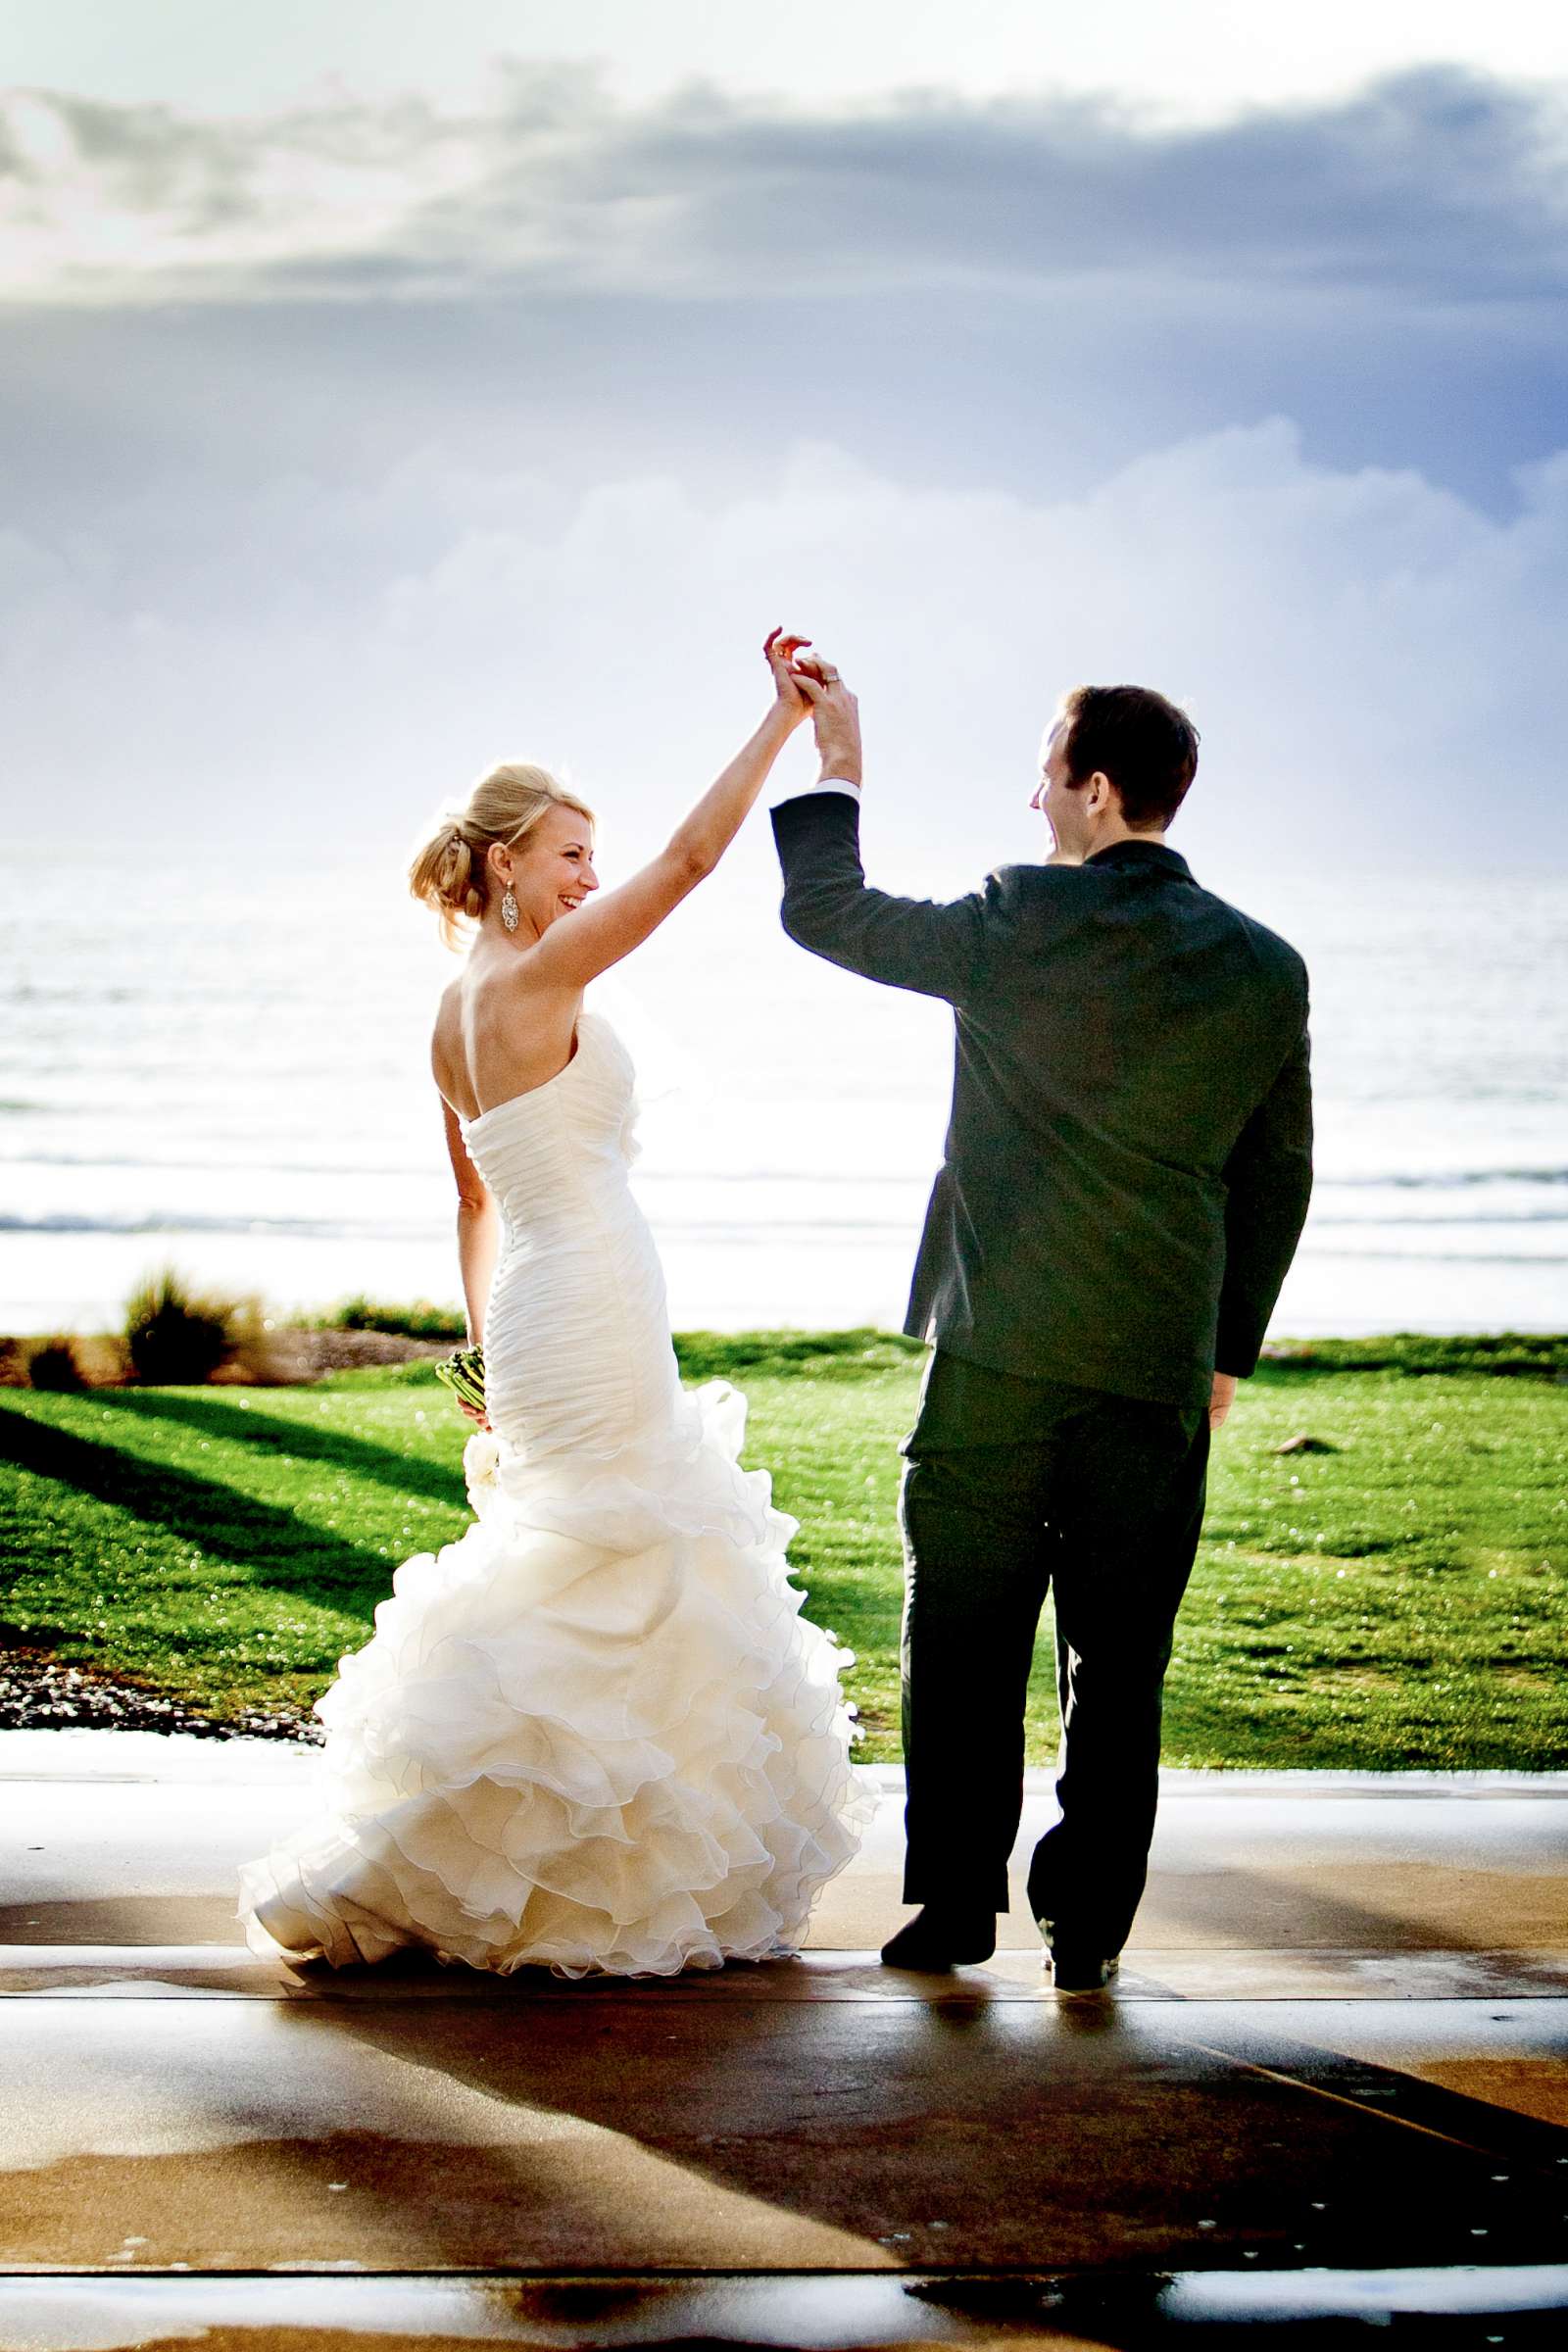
(1077, 1972)
(942, 1937)
(1079, 1976)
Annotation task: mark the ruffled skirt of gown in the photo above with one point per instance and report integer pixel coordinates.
(594, 1734)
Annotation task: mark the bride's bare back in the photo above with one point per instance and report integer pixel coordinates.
(483, 1033)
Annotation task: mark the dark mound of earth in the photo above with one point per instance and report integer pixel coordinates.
(40, 1692)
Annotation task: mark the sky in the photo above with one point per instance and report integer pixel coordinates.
(389, 390)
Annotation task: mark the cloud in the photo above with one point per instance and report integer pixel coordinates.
(1030, 293)
(1375, 663)
(1435, 185)
(351, 446)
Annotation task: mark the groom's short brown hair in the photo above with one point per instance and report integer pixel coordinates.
(1145, 745)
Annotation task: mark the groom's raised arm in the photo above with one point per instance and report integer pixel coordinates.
(920, 944)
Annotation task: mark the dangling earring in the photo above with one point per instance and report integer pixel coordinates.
(508, 909)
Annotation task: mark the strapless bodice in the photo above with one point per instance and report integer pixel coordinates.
(537, 1151)
(577, 1332)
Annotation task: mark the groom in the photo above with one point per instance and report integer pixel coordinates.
(1126, 1175)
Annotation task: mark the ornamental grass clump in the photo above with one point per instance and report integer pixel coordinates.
(173, 1338)
(54, 1365)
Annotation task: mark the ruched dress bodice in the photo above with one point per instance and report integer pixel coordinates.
(577, 1348)
(594, 1734)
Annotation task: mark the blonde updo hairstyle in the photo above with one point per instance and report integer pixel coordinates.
(450, 870)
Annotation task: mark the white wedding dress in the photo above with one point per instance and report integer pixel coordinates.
(595, 1732)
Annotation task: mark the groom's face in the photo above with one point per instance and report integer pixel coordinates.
(1060, 802)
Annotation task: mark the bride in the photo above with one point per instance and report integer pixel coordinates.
(595, 1732)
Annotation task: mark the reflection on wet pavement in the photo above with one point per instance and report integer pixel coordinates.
(1333, 2092)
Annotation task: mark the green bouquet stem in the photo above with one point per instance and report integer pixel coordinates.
(464, 1373)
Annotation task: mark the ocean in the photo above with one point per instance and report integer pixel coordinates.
(219, 1063)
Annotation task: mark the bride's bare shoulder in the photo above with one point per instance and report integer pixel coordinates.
(449, 1011)
(447, 1061)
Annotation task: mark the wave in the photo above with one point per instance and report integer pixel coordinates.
(697, 1229)
(132, 1160)
(828, 1179)
(315, 1228)
(1413, 1239)
(1436, 1258)
(1445, 1179)
(1518, 1216)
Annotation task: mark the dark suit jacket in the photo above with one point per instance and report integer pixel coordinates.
(1129, 1158)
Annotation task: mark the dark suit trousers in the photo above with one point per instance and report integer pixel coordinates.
(1012, 1488)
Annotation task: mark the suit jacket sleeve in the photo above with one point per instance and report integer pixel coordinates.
(933, 947)
(1269, 1176)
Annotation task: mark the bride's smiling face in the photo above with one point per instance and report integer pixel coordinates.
(551, 871)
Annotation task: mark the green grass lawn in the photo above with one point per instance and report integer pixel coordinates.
(1396, 1602)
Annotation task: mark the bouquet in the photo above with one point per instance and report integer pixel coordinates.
(464, 1373)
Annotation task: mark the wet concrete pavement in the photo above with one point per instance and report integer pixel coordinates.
(1336, 2084)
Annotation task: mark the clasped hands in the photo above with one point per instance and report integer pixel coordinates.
(807, 685)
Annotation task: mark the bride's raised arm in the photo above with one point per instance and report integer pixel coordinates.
(574, 952)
